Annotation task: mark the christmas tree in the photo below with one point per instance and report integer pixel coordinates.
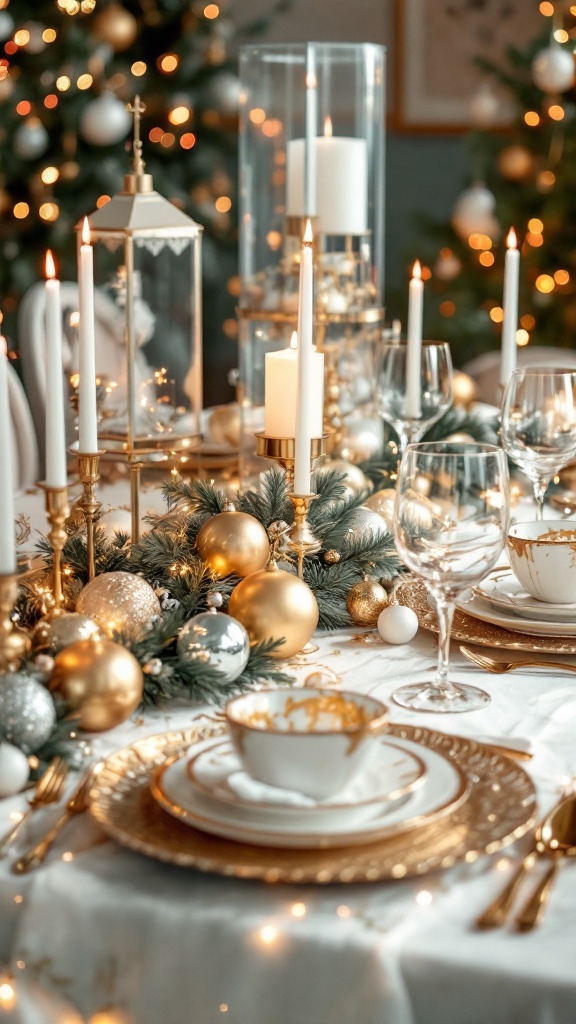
(524, 177)
(67, 70)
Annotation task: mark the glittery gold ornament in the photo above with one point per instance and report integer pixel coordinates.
(464, 389)
(120, 603)
(116, 26)
(233, 543)
(365, 602)
(273, 604)
(100, 681)
(382, 502)
(54, 635)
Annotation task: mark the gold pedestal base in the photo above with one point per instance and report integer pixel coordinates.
(57, 511)
(14, 644)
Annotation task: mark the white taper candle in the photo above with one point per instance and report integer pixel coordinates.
(414, 342)
(7, 536)
(56, 473)
(510, 308)
(87, 418)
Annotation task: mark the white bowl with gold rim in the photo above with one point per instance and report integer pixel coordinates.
(543, 557)
(311, 741)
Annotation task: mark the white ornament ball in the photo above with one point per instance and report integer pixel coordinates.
(116, 520)
(397, 624)
(484, 107)
(354, 479)
(447, 268)
(363, 438)
(14, 769)
(223, 92)
(104, 121)
(474, 212)
(6, 25)
(365, 523)
(553, 69)
(30, 139)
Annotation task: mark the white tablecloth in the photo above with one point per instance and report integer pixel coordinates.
(162, 945)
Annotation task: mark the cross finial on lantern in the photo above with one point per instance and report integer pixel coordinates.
(137, 108)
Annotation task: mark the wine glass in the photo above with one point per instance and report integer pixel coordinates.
(450, 523)
(538, 424)
(411, 415)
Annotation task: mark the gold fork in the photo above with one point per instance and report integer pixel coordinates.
(77, 803)
(47, 791)
(499, 665)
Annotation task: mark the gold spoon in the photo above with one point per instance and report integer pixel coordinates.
(557, 839)
(497, 665)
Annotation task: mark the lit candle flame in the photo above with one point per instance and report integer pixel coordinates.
(328, 127)
(417, 269)
(294, 340)
(50, 265)
(511, 240)
(86, 232)
(308, 236)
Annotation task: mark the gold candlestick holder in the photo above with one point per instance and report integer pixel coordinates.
(88, 463)
(301, 538)
(14, 643)
(57, 511)
(281, 450)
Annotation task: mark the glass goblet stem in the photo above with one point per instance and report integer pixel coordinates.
(445, 613)
(540, 486)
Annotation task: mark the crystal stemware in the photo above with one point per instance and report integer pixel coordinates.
(450, 523)
(538, 424)
(435, 389)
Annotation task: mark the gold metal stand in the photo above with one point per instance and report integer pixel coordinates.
(301, 537)
(89, 477)
(136, 466)
(14, 643)
(281, 449)
(57, 512)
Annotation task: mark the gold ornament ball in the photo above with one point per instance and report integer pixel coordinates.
(460, 437)
(515, 163)
(100, 680)
(120, 603)
(354, 479)
(117, 27)
(224, 425)
(365, 602)
(273, 604)
(464, 389)
(382, 502)
(233, 543)
(54, 635)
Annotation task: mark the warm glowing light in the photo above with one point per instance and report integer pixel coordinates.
(168, 63)
(223, 204)
(271, 127)
(84, 81)
(522, 337)
(546, 179)
(446, 254)
(328, 127)
(274, 240)
(138, 68)
(527, 321)
(561, 35)
(308, 236)
(7, 996)
(556, 112)
(18, 899)
(87, 6)
(268, 934)
(23, 108)
(545, 283)
(63, 83)
(188, 140)
(343, 910)
(486, 259)
(102, 200)
(155, 134)
(49, 35)
(298, 910)
(417, 269)
(536, 225)
(22, 37)
(21, 210)
(49, 265)
(497, 314)
(211, 11)
(167, 140)
(424, 898)
(51, 101)
(561, 277)
(426, 273)
(257, 115)
(230, 328)
(546, 8)
(534, 240)
(532, 118)
(10, 47)
(49, 211)
(511, 240)
(85, 232)
(179, 115)
(294, 340)
(447, 308)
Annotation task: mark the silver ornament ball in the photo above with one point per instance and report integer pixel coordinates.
(217, 641)
(30, 139)
(365, 522)
(553, 69)
(27, 712)
(104, 121)
(55, 634)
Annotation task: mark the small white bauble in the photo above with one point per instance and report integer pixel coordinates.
(30, 139)
(116, 520)
(363, 438)
(14, 769)
(223, 92)
(447, 267)
(354, 479)
(484, 107)
(397, 624)
(6, 25)
(553, 69)
(474, 212)
(105, 121)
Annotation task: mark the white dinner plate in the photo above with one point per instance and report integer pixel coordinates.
(481, 609)
(216, 774)
(445, 787)
(504, 591)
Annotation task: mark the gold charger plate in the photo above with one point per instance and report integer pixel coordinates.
(468, 628)
(501, 807)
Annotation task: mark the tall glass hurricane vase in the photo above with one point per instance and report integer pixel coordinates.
(451, 522)
(538, 427)
(435, 388)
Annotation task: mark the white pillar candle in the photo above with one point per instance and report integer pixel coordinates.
(280, 388)
(510, 308)
(341, 182)
(7, 536)
(309, 399)
(56, 473)
(87, 418)
(414, 343)
(310, 184)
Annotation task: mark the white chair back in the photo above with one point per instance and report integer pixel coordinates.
(485, 369)
(25, 448)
